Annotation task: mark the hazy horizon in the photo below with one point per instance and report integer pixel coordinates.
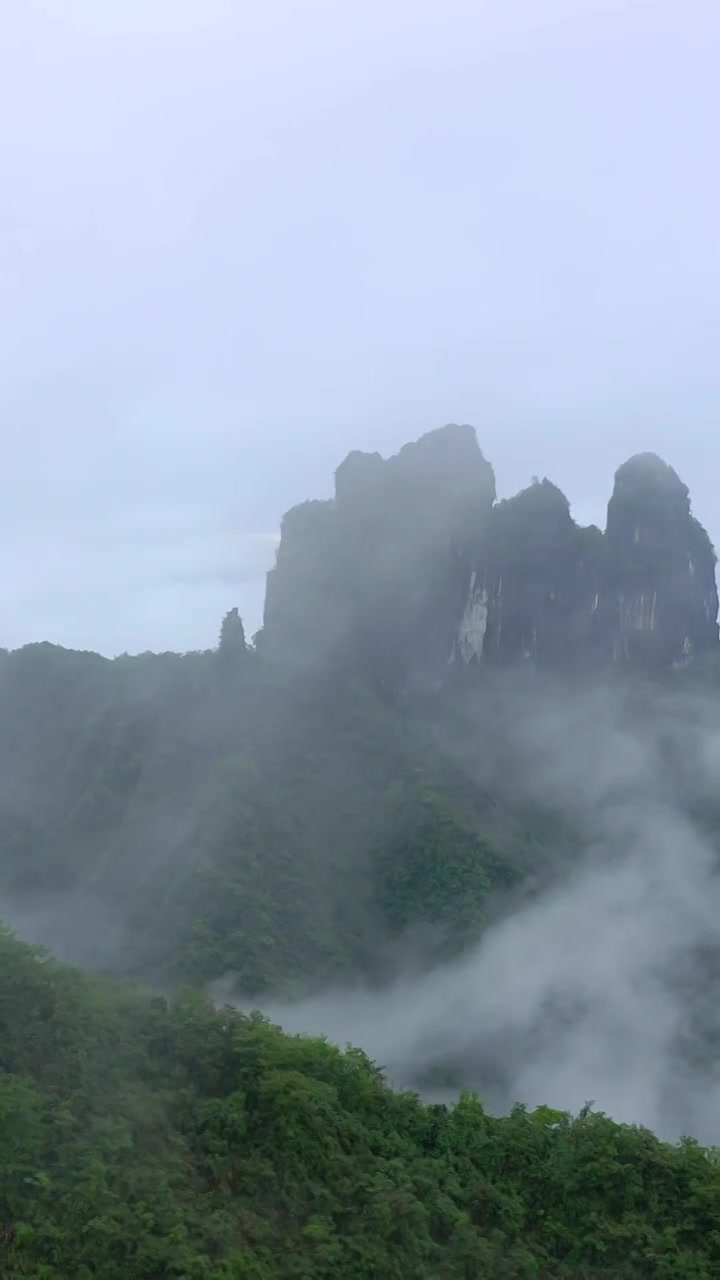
(237, 245)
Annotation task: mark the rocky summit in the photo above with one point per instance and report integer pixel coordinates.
(414, 570)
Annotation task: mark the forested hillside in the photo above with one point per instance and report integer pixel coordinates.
(183, 818)
(455, 805)
(143, 1139)
(285, 812)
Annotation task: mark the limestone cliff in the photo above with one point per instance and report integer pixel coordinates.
(534, 590)
(413, 567)
(659, 603)
(377, 576)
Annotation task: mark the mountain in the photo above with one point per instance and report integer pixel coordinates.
(182, 817)
(457, 804)
(377, 578)
(413, 566)
(142, 1139)
(146, 1139)
(301, 812)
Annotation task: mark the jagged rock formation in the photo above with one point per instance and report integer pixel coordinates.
(413, 566)
(232, 644)
(534, 591)
(378, 575)
(660, 601)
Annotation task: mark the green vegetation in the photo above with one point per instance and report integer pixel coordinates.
(143, 1140)
(437, 870)
(341, 804)
(184, 811)
(207, 816)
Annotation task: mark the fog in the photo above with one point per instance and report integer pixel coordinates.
(239, 241)
(597, 985)
(237, 244)
(594, 990)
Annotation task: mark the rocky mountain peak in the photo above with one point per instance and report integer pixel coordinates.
(660, 595)
(414, 566)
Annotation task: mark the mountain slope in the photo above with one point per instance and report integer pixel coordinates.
(261, 812)
(186, 818)
(141, 1140)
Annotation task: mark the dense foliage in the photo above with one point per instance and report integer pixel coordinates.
(172, 817)
(141, 1139)
(338, 805)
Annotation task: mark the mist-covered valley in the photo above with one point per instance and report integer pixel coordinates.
(386, 943)
(359, 810)
(597, 982)
(491, 865)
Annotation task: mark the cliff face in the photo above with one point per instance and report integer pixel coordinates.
(533, 591)
(378, 575)
(660, 600)
(413, 567)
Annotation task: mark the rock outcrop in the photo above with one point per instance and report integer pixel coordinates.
(660, 601)
(533, 593)
(413, 567)
(377, 576)
(232, 645)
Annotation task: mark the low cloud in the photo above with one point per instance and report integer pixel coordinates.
(595, 990)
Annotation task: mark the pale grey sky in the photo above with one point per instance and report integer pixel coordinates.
(238, 240)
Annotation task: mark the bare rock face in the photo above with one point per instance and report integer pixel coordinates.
(376, 578)
(659, 603)
(413, 567)
(533, 594)
(304, 611)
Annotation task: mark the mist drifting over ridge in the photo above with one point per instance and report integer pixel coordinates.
(595, 984)
(427, 765)
(230, 817)
(594, 988)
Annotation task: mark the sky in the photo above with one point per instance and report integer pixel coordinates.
(237, 241)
